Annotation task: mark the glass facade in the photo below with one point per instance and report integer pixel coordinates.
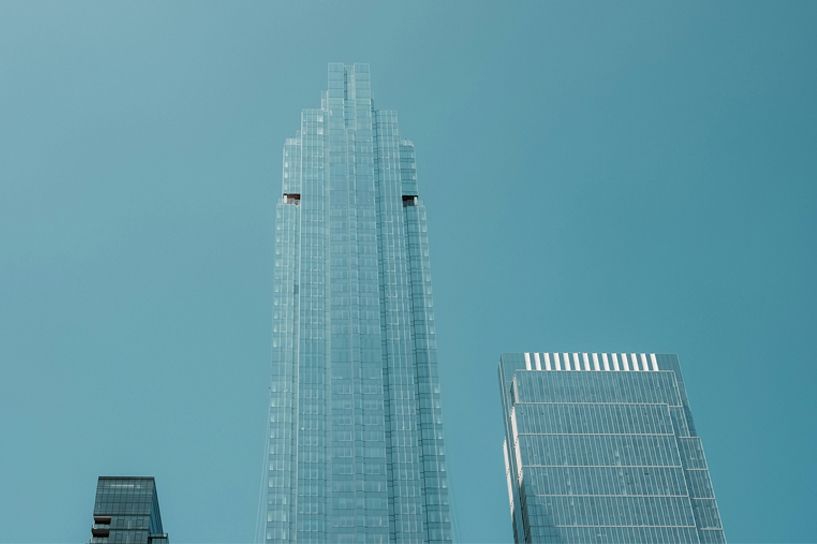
(602, 448)
(126, 510)
(355, 447)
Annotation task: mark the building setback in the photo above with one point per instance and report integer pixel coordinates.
(355, 444)
(602, 448)
(126, 510)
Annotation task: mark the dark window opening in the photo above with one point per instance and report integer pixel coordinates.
(292, 198)
(102, 520)
(409, 200)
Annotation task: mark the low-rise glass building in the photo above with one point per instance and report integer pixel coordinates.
(126, 510)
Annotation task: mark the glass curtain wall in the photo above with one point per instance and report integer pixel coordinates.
(126, 509)
(355, 451)
(602, 448)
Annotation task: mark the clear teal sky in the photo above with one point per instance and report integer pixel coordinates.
(599, 177)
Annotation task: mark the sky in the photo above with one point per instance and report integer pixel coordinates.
(599, 177)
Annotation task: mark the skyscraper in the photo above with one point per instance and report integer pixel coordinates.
(602, 448)
(355, 450)
(126, 509)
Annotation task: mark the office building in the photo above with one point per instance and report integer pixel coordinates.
(603, 448)
(355, 444)
(126, 510)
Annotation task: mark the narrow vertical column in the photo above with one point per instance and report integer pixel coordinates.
(399, 363)
(313, 358)
(359, 479)
(344, 339)
(281, 455)
(430, 434)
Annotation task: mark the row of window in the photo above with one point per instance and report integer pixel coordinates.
(605, 387)
(593, 418)
(589, 511)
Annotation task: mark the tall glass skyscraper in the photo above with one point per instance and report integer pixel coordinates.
(602, 448)
(126, 510)
(355, 450)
